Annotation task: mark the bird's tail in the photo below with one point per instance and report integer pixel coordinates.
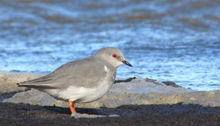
(28, 84)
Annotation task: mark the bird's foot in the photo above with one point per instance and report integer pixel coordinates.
(79, 115)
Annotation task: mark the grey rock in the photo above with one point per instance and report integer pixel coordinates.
(137, 92)
(8, 81)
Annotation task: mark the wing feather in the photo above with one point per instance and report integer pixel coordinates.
(87, 73)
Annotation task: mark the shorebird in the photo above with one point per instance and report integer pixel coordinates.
(84, 80)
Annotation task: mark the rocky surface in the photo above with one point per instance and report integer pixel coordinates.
(139, 99)
(8, 81)
(137, 91)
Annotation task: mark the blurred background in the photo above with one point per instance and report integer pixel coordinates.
(167, 40)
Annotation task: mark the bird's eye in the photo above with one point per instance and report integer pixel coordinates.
(114, 55)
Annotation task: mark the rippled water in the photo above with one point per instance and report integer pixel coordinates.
(175, 40)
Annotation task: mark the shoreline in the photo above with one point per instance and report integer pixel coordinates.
(137, 102)
(23, 76)
(130, 91)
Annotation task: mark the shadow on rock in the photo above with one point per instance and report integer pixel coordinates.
(177, 114)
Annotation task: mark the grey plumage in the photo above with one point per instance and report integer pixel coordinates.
(82, 80)
(78, 73)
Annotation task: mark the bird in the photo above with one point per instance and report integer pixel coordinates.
(81, 81)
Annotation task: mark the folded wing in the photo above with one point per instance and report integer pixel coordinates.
(87, 73)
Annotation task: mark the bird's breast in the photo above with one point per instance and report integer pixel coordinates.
(97, 92)
(88, 94)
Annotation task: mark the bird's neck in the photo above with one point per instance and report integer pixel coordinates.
(106, 62)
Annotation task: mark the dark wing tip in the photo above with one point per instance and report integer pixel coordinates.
(35, 86)
(21, 84)
(18, 84)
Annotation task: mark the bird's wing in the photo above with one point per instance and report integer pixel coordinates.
(87, 73)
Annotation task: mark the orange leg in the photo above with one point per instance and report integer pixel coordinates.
(71, 106)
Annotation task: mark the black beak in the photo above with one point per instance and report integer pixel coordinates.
(127, 63)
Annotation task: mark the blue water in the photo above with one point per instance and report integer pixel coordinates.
(164, 40)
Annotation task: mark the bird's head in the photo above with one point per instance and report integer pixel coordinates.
(113, 56)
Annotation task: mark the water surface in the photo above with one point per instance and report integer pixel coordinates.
(165, 40)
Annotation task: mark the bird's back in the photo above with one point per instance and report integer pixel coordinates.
(86, 73)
